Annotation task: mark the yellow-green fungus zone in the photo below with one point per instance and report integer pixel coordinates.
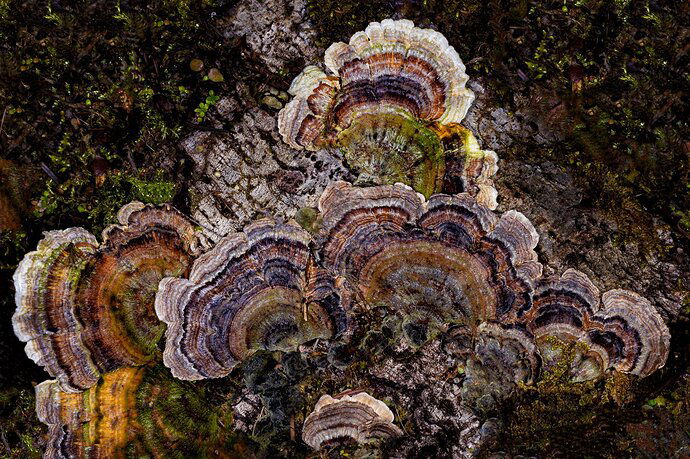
(392, 148)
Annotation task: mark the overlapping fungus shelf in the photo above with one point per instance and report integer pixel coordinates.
(258, 289)
(448, 258)
(619, 329)
(84, 308)
(414, 242)
(453, 261)
(393, 94)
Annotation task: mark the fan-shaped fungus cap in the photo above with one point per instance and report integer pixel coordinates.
(388, 68)
(258, 289)
(93, 423)
(132, 411)
(350, 416)
(85, 309)
(450, 258)
(393, 94)
(622, 331)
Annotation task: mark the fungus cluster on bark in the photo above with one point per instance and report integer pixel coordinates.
(93, 314)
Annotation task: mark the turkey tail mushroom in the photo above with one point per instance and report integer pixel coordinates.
(352, 416)
(392, 98)
(257, 289)
(84, 309)
(618, 330)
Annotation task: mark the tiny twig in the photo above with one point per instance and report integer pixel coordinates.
(4, 441)
(2, 122)
(49, 172)
(131, 161)
(258, 418)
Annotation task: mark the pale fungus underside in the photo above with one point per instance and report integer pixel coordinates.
(446, 265)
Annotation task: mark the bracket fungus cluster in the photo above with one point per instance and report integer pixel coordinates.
(620, 330)
(445, 258)
(395, 93)
(454, 261)
(85, 309)
(93, 314)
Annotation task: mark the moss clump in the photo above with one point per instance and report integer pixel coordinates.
(13, 245)
(308, 218)
(276, 385)
(155, 191)
(96, 206)
(20, 430)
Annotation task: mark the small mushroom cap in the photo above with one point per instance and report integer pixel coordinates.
(380, 408)
(638, 325)
(84, 308)
(258, 289)
(350, 416)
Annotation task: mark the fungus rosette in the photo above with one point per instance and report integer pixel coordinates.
(85, 309)
(352, 416)
(503, 354)
(449, 259)
(621, 331)
(131, 412)
(258, 289)
(394, 94)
